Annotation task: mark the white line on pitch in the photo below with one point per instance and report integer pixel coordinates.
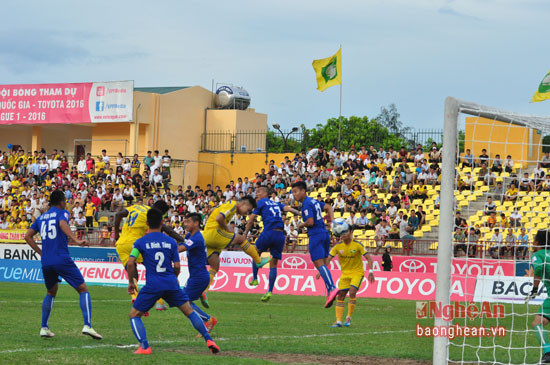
(222, 339)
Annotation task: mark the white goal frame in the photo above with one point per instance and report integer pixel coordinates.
(453, 107)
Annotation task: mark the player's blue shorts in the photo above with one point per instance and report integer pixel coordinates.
(319, 245)
(147, 297)
(196, 285)
(274, 241)
(68, 271)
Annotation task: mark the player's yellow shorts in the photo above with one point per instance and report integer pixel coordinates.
(216, 240)
(124, 249)
(348, 280)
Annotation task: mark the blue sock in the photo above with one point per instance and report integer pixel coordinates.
(139, 331)
(47, 306)
(204, 316)
(86, 308)
(197, 322)
(254, 271)
(272, 277)
(327, 277)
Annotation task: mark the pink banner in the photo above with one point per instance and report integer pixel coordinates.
(420, 264)
(89, 102)
(397, 285)
(393, 285)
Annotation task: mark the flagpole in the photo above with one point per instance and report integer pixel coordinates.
(340, 114)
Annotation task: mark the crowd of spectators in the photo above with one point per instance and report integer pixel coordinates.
(91, 185)
(509, 238)
(107, 183)
(373, 188)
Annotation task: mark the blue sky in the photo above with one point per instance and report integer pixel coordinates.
(411, 53)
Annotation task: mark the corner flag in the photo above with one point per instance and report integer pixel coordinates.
(329, 71)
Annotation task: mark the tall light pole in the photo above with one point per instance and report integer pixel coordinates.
(285, 137)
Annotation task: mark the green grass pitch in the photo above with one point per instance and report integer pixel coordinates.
(288, 329)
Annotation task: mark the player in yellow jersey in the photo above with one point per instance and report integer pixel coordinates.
(133, 229)
(350, 253)
(218, 236)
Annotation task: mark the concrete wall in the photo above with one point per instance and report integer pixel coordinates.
(15, 135)
(180, 127)
(522, 143)
(60, 137)
(110, 132)
(226, 168)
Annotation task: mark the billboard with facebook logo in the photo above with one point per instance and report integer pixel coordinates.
(88, 102)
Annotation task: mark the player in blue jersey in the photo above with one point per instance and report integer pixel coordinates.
(272, 237)
(159, 252)
(55, 232)
(319, 238)
(199, 278)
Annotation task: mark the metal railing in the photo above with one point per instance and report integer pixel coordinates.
(283, 141)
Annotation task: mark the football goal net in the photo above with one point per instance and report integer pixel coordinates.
(495, 197)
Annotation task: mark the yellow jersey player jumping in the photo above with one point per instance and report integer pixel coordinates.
(134, 228)
(350, 253)
(218, 236)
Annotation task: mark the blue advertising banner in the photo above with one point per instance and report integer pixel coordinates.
(21, 271)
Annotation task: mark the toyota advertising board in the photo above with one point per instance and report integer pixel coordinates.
(396, 285)
(412, 264)
(87, 102)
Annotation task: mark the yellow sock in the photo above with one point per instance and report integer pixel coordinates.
(212, 273)
(160, 301)
(251, 251)
(351, 306)
(339, 310)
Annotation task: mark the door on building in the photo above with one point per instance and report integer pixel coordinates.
(80, 151)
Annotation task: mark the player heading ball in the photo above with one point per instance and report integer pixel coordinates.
(319, 239)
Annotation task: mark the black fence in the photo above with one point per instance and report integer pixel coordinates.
(296, 141)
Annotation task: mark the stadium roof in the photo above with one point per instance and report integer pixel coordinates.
(160, 90)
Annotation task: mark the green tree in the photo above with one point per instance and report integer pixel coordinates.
(389, 118)
(356, 131)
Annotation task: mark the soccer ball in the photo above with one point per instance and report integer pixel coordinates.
(340, 227)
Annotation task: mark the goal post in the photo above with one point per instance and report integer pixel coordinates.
(446, 220)
(501, 133)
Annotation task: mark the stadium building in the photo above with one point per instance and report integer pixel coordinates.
(173, 118)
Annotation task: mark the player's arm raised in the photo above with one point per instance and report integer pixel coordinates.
(370, 276)
(249, 223)
(70, 235)
(118, 219)
(29, 238)
(286, 208)
(170, 232)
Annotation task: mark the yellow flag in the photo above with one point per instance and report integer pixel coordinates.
(543, 92)
(328, 71)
